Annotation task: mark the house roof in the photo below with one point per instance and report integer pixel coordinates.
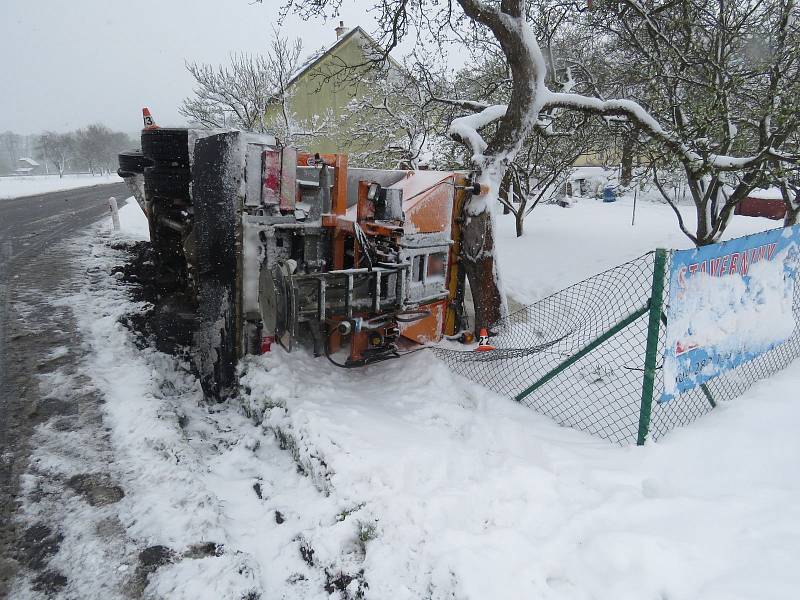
(314, 58)
(29, 161)
(773, 193)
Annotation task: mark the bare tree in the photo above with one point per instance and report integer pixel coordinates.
(282, 63)
(721, 79)
(90, 145)
(540, 172)
(11, 143)
(252, 92)
(788, 180)
(236, 95)
(540, 169)
(57, 148)
(790, 192)
(97, 146)
(396, 108)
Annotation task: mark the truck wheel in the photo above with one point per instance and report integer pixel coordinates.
(167, 147)
(215, 223)
(132, 162)
(215, 355)
(167, 182)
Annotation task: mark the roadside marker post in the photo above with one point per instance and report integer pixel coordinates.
(112, 206)
(149, 121)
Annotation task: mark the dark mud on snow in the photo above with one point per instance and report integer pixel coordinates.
(168, 323)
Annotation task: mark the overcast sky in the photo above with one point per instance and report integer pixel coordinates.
(67, 64)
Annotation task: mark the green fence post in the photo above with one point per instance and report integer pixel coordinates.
(708, 395)
(651, 351)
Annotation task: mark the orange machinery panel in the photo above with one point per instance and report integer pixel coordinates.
(428, 329)
(428, 201)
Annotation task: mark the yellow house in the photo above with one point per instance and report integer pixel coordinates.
(320, 90)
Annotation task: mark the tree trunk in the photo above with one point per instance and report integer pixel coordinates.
(702, 225)
(792, 214)
(506, 197)
(792, 207)
(627, 160)
(703, 231)
(478, 260)
(522, 53)
(520, 221)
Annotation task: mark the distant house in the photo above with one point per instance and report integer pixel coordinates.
(320, 88)
(27, 166)
(763, 203)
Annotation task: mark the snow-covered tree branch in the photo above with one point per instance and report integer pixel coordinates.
(679, 74)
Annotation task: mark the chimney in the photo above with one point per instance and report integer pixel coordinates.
(341, 30)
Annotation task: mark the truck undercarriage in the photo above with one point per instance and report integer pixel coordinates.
(269, 244)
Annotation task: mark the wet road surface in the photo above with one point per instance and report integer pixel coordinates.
(31, 270)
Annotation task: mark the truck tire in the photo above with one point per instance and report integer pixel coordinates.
(132, 162)
(167, 147)
(214, 203)
(167, 182)
(215, 355)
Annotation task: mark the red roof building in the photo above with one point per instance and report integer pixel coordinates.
(763, 203)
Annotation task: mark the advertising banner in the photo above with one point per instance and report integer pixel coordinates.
(728, 303)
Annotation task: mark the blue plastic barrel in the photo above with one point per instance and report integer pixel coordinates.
(609, 195)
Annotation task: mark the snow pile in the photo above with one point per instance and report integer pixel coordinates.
(467, 494)
(220, 502)
(15, 187)
(772, 193)
(133, 221)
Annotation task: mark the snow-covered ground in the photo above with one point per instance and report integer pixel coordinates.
(441, 489)
(15, 187)
(473, 496)
(133, 222)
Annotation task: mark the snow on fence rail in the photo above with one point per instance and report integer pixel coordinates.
(591, 356)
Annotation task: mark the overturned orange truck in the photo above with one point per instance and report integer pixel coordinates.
(274, 245)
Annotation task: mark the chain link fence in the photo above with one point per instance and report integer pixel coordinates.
(590, 356)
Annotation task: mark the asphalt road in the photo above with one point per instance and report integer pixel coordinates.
(30, 224)
(32, 269)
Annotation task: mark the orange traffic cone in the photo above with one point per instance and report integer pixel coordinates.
(149, 122)
(483, 342)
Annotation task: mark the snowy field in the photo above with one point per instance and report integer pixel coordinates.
(15, 187)
(441, 489)
(562, 246)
